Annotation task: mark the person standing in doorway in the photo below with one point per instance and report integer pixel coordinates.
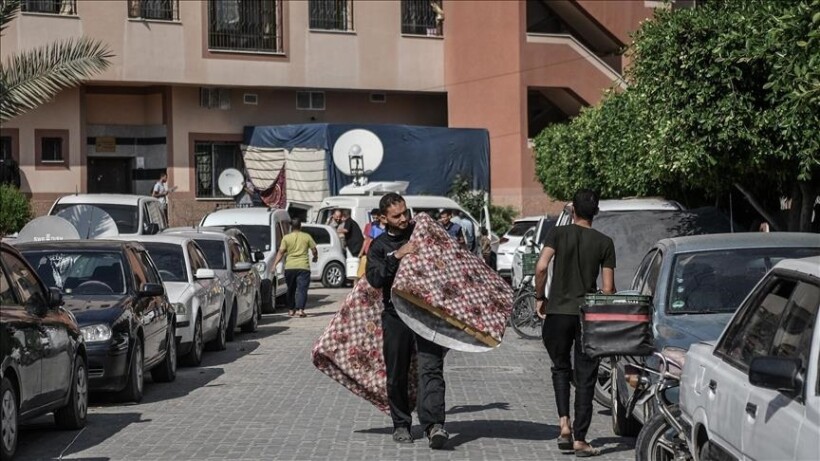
(386, 251)
(295, 247)
(354, 240)
(580, 254)
(161, 191)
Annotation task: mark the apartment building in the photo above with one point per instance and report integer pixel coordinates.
(188, 75)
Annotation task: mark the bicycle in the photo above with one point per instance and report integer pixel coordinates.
(524, 319)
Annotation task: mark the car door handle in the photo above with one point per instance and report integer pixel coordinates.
(712, 385)
(751, 409)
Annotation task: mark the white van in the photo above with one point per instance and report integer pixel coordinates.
(264, 229)
(133, 214)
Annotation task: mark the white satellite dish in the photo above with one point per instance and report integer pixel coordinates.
(231, 182)
(90, 221)
(47, 228)
(358, 153)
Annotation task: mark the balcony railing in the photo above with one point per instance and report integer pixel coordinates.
(159, 10)
(63, 7)
(245, 25)
(331, 14)
(419, 17)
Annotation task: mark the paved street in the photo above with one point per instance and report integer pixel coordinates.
(263, 399)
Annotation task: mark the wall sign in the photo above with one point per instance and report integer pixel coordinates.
(106, 144)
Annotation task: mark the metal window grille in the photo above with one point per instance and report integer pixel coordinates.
(64, 7)
(245, 25)
(331, 14)
(210, 160)
(162, 10)
(418, 17)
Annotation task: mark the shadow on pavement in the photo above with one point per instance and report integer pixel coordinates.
(477, 408)
(41, 439)
(462, 432)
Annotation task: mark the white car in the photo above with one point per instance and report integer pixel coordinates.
(330, 268)
(509, 242)
(133, 214)
(264, 229)
(194, 291)
(232, 264)
(755, 392)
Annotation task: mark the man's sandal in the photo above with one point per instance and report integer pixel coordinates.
(587, 452)
(565, 443)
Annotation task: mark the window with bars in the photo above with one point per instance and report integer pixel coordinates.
(158, 10)
(64, 7)
(331, 14)
(245, 25)
(211, 159)
(422, 17)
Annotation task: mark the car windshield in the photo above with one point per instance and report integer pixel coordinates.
(126, 216)
(545, 230)
(520, 228)
(169, 259)
(214, 253)
(718, 281)
(80, 272)
(258, 236)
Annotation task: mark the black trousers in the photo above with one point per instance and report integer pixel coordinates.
(399, 343)
(559, 332)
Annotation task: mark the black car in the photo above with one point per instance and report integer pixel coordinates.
(43, 365)
(115, 291)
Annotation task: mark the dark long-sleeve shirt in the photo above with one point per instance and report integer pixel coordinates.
(382, 264)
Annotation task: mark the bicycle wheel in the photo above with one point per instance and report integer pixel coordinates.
(524, 320)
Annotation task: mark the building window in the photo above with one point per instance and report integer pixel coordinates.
(64, 7)
(51, 148)
(210, 160)
(422, 17)
(331, 14)
(215, 98)
(245, 25)
(310, 100)
(159, 10)
(5, 148)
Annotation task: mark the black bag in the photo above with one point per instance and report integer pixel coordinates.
(617, 325)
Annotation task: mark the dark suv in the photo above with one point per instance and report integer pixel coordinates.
(115, 291)
(43, 365)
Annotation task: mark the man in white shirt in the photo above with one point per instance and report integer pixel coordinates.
(161, 191)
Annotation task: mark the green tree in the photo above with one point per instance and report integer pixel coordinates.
(15, 210)
(501, 217)
(30, 79)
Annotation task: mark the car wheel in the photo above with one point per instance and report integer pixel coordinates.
(622, 424)
(166, 371)
(220, 342)
(194, 356)
(253, 323)
(134, 388)
(333, 276)
(603, 393)
(230, 333)
(73, 415)
(651, 444)
(8, 408)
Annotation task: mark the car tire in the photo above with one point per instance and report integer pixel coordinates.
(603, 393)
(133, 391)
(220, 343)
(9, 417)
(253, 323)
(230, 333)
(333, 275)
(648, 447)
(268, 293)
(74, 414)
(166, 371)
(622, 424)
(194, 357)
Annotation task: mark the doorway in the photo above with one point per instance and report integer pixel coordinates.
(109, 175)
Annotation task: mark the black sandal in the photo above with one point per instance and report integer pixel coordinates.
(565, 442)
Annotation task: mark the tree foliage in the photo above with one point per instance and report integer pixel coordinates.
(501, 217)
(14, 209)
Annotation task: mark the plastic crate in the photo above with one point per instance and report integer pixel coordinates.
(603, 300)
(528, 262)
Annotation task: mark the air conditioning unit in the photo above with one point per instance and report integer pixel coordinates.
(378, 98)
(250, 98)
(215, 98)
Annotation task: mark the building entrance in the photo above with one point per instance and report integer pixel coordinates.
(109, 175)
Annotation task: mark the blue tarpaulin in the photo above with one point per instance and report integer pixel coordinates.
(429, 158)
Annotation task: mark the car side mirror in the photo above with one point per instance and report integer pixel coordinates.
(55, 297)
(151, 289)
(242, 267)
(151, 228)
(778, 373)
(258, 256)
(204, 274)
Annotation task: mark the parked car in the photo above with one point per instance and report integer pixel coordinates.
(537, 237)
(231, 262)
(511, 240)
(330, 268)
(114, 290)
(43, 365)
(625, 204)
(755, 392)
(133, 214)
(197, 296)
(264, 229)
(696, 283)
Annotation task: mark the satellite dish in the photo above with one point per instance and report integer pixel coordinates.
(91, 222)
(358, 153)
(231, 182)
(47, 228)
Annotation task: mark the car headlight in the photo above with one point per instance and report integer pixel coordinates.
(260, 267)
(96, 333)
(180, 308)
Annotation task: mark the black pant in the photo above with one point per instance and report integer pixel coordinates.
(399, 340)
(559, 332)
(297, 281)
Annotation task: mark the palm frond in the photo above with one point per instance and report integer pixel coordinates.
(8, 10)
(31, 78)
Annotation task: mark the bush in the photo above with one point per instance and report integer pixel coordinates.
(15, 211)
(501, 217)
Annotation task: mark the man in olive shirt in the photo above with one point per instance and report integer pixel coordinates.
(297, 266)
(580, 253)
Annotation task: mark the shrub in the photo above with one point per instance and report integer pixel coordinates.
(15, 211)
